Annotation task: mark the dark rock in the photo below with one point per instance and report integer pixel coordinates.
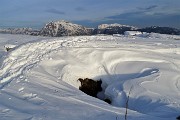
(8, 49)
(24, 31)
(90, 87)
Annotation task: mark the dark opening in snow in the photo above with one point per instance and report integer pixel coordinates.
(107, 100)
(91, 87)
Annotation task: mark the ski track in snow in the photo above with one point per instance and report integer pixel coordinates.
(121, 62)
(26, 56)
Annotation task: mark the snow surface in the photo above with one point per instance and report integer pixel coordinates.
(38, 78)
(132, 33)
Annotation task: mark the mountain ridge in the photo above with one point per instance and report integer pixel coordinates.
(65, 28)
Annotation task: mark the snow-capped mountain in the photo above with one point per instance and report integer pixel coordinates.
(114, 29)
(26, 31)
(64, 28)
(110, 26)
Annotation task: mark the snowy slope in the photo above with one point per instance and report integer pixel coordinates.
(38, 79)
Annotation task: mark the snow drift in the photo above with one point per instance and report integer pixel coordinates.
(42, 76)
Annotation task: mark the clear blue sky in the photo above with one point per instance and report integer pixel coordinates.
(35, 13)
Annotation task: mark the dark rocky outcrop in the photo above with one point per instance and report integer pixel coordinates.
(90, 87)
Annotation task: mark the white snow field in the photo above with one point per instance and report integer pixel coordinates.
(38, 77)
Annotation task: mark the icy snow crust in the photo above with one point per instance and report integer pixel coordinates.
(38, 79)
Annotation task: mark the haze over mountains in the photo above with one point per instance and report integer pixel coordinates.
(65, 28)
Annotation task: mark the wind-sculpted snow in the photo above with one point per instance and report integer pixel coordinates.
(25, 57)
(42, 76)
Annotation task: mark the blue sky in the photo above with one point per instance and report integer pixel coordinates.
(35, 13)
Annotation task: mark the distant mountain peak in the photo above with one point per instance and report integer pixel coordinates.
(114, 28)
(106, 26)
(64, 28)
